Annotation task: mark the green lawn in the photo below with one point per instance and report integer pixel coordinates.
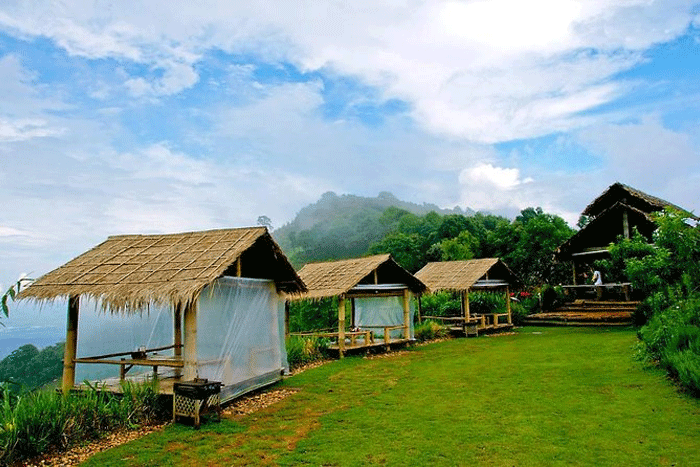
(545, 396)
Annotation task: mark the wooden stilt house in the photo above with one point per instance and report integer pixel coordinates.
(379, 292)
(462, 277)
(615, 213)
(220, 289)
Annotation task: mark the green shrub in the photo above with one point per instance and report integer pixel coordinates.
(486, 302)
(429, 330)
(305, 349)
(441, 304)
(672, 338)
(552, 297)
(34, 422)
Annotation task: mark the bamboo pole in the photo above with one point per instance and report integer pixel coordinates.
(352, 314)
(239, 267)
(341, 326)
(177, 335)
(465, 301)
(71, 347)
(510, 317)
(190, 354)
(286, 318)
(420, 310)
(406, 314)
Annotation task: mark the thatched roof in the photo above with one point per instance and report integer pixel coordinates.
(127, 272)
(460, 276)
(334, 278)
(618, 192)
(605, 229)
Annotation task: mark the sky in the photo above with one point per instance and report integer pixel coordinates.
(169, 116)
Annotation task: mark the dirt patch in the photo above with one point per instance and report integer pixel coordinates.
(79, 454)
(252, 403)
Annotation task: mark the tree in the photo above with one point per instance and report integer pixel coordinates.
(529, 247)
(265, 222)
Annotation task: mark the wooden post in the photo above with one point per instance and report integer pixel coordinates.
(286, 318)
(420, 310)
(510, 317)
(376, 277)
(406, 314)
(190, 350)
(239, 267)
(71, 347)
(625, 225)
(573, 267)
(341, 326)
(465, 302)
(177, 336)
(352, 314)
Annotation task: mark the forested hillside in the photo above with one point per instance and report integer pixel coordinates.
(343, 226)
(350, 226)
(31, 368)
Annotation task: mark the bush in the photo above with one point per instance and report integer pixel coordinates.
(32, 423)
(305, 349)
(429, 330)
(486, 302)
(441, 304)
(552, 297)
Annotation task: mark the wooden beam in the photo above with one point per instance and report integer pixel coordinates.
(625, 225)
(376, 277)
(190, 350)
(406, 314)
(341, 326)
(177, 335)
(70, 349)
(352, 314)
(465, 301)
(510, 317)
(286, 319)
(239, 267)
(420, 310)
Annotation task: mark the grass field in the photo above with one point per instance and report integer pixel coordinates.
(544, 396)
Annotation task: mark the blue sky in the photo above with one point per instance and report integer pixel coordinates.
(196, 115)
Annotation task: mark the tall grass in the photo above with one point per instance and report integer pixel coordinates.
(32, 423)
(305, 349)
(429, 330)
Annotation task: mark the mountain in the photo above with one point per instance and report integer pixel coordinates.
(343, 226)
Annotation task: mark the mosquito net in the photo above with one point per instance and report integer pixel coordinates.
(382, 311)
(240, 336)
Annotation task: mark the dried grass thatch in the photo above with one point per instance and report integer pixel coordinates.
(334, 278)
(619, 192)
(128, 272)
(460, 276)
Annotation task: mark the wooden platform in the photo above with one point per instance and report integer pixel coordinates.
(475, 324)
(587, 313)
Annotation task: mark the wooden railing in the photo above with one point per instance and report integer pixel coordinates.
(137, 358)
(622, 288)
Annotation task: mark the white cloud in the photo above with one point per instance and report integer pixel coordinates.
(448, 60)
(635, 151)
(23, 129)
(492, 188)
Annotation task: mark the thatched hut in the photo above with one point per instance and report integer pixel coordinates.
(379, 291)
(613, 214)
(223, 288)
(461, 277)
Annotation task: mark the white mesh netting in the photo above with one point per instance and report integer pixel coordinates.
(240, 335)
(382, 311)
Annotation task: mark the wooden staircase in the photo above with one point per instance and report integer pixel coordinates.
(586, 313)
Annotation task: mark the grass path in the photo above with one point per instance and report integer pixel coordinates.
(544, 396)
